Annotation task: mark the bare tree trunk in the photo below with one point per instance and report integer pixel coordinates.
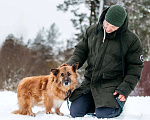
(90, 13)
(101, 5)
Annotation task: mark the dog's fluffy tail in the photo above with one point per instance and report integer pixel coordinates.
(16, 112)
(19, 112)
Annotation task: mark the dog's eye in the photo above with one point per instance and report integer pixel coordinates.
(62, 74)
(68, 73)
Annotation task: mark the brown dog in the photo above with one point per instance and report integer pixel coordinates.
(50, 90)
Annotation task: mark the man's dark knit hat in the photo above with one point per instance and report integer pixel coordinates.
(116, 15)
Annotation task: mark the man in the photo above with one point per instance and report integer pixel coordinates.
(114, 58)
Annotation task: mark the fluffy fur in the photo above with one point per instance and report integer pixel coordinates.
(49, 91)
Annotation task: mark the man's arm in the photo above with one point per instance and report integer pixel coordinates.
(80, 53)
(134, 69)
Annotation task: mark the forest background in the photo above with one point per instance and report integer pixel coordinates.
(43, 52)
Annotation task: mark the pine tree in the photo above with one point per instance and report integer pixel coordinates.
(44, 45)
(82, 19)
(52, 34)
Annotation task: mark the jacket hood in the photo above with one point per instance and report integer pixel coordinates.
(121, 29)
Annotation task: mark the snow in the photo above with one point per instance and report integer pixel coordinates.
(136, 108)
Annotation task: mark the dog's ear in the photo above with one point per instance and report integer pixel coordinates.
(55, 71)
(75, 66)
(64, 64)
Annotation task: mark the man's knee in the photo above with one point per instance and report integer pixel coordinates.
(82, 106)
(74, 112)
(106, 112)
(78, 107)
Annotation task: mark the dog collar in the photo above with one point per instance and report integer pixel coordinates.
(68, 94)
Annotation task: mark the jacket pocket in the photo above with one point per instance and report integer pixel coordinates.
(112, 75)
(111, 85)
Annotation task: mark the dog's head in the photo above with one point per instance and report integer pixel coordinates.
(66, 76)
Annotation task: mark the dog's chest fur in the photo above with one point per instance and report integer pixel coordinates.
(57, 103)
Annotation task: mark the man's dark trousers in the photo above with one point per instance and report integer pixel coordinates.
(85, 104)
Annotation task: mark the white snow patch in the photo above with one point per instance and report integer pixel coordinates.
(136, 108)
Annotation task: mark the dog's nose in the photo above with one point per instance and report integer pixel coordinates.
(66, 82)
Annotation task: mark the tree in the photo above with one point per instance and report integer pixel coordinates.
(44, 45)
(82, 19)
(45, 41)
(14, 58)
(52, 34)
(19, 60)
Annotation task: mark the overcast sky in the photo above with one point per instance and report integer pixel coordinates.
(26, 17)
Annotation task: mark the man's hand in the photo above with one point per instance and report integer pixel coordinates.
(121, 97)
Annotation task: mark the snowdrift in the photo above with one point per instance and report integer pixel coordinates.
(136, 108)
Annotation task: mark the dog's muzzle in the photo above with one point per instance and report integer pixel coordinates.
(66, 82)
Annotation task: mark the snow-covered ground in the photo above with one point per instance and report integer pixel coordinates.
(136, 108)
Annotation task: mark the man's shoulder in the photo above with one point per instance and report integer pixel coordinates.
(131, 38)
(91, 28)
(131, 34)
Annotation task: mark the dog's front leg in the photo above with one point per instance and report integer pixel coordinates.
(57, 110)
(48, 103)
(48, 109)
(31, 113)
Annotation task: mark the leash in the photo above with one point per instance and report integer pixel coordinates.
(68, 94)
(120, 104)
(68, 104)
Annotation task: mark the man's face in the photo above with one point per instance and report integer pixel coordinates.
(109, 27)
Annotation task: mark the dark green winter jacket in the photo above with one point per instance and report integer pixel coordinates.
(104, 72)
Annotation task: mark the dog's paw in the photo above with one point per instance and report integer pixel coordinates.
(32, 114)
(61, 114)
(50, 112)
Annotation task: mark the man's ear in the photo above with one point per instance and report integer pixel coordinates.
(75, 66)
(55, 71)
